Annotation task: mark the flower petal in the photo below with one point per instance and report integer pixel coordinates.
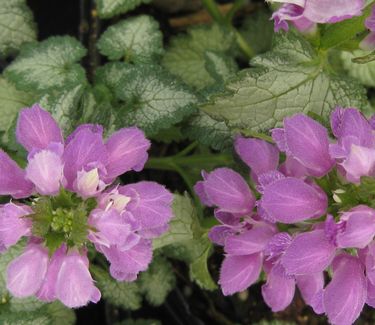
(150, 203)
(36, 129)
(328, 11)
(279, 290)
(359, 228)
(307, 142)
(127, 150)
(290, 200)
(26, 273)
(239, 272)
(45, 170)
(311, 287)
(132, 261)
(259, 155)
(85, 149)
(74, 285)
(309, 252)
(228, 190)
(12, 178)
(252, 241)
(345, 295)
(12, 224)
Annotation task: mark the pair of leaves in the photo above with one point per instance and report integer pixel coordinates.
(291, 78)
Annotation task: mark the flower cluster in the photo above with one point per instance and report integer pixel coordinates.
(305, 14)
(68, 202)
(322, 197)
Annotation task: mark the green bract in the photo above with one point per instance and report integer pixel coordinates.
(60, 219)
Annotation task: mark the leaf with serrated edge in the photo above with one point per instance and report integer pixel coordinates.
(158, 281)
(285, 81)
(155, 100)
(11, 101)
(110, 8)
(126, 295)
(136, 39)
(186, 55)
(209, 132)
(17, 26)
(183, 226)
(47, 65)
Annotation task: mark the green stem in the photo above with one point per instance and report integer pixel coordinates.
(213, 10)
(188, 149)
(244, 45)
(236, 6)
(215, 13)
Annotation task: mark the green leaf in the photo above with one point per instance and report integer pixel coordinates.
(111, 74)
(126, 295)
(5, 259)
(290, 79)
(158, 281)
(136, 39)
(219, 66)
(209, 132)
(110, 8)
(66, 106)
(337, 34)
(155, 100)
(184, 225)
(364, 73)
(48, 314)
(25, 304)
(195, 253)
(16, 26)
(199, 269)
(186, 55)
(11, 101)
(47, 65)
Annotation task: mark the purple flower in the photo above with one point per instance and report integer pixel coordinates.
(355, 147)
(306, 141)
(259, 155)
(289, 193)
(227, 190)
(289, 200)
(345, 296)
(68, 181)
(13, 224)
(294, 14)
(315, 11)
